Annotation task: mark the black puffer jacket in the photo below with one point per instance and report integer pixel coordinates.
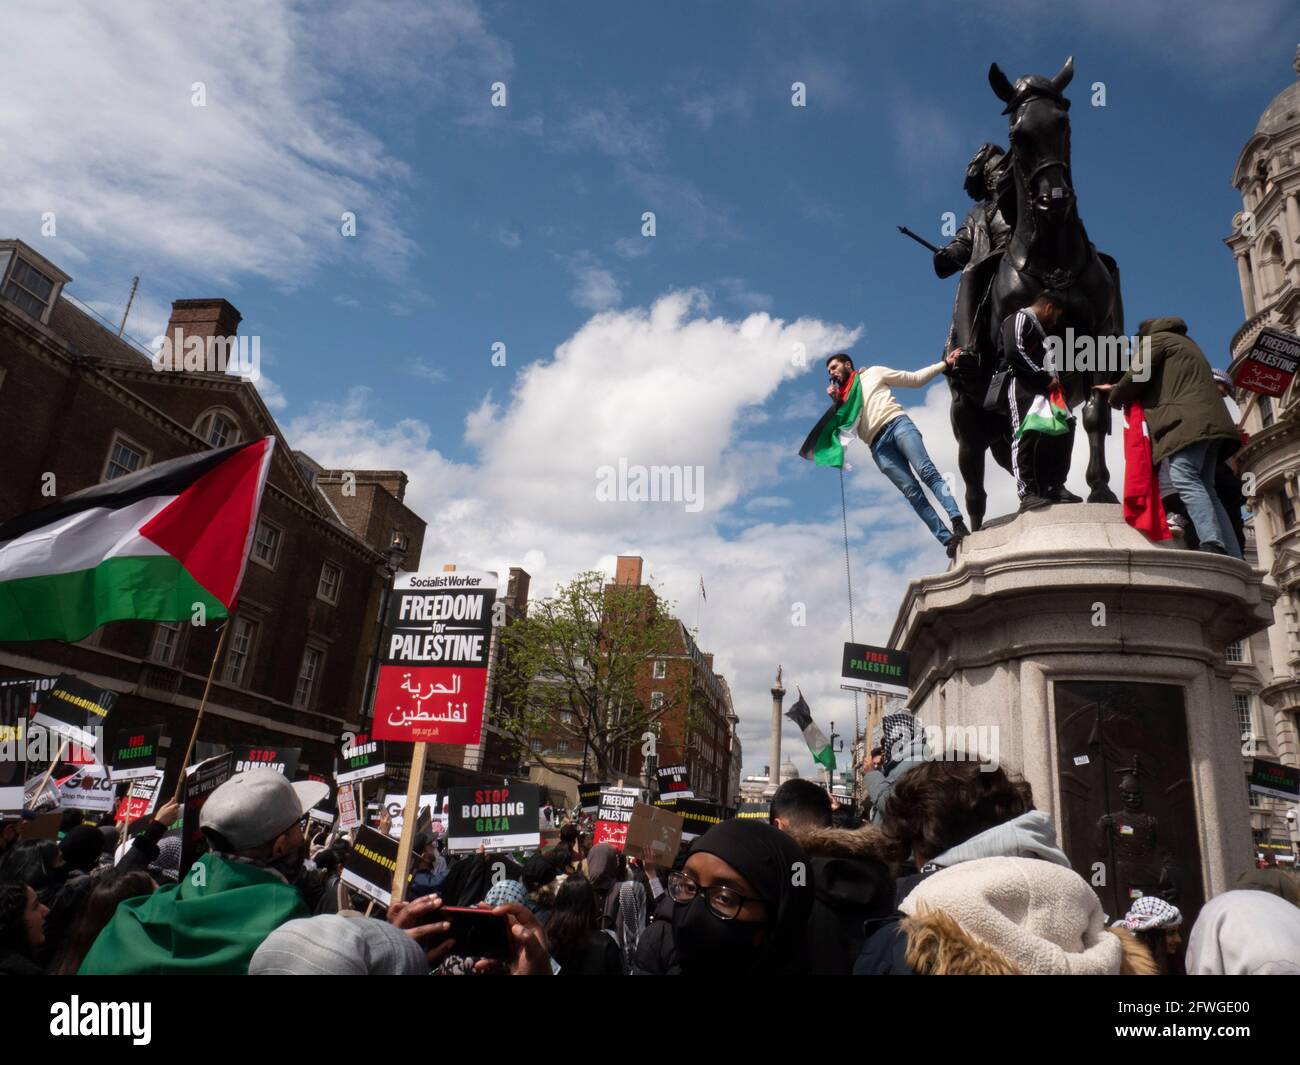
(851, 885)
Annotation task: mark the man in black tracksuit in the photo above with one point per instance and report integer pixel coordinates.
(1040, 461)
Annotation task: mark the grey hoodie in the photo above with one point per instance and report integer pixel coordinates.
(1031, 835)
(881, 785)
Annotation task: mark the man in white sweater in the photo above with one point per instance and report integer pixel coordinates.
(895, 442)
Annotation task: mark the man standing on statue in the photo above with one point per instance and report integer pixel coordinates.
(862, 399)
(1041, 423)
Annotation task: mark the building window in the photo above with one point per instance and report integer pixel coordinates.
(29, 289)
(661, 669)
(266, 545)
(1236, 652)
(1288, 511)
(562, 746)
(218, 429)
(656, 700)
(1245, 725)
(166, 640)
(240, 651)
(328, 588)
(307, 674)
(566, 717)
(123, 458)
(536, 746)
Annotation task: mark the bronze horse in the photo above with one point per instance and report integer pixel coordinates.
(1048, 248)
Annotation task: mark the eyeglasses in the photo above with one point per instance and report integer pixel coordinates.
(725, 902)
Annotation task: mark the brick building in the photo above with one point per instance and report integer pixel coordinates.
(700, 730)
(80, 406)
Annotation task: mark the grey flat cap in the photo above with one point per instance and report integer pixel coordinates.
(330, 945)
(253, 807)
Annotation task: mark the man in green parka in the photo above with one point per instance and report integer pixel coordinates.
(230, 899)
(1188, 423)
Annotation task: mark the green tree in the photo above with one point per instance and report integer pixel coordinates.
(584, 650)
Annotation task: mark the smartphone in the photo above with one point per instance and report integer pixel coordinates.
(478, 933)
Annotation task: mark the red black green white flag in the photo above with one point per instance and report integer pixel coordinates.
(148, 546)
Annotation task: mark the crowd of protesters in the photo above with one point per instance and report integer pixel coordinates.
(954, 871)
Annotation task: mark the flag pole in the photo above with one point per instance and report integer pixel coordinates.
(216, 657)
(36, 797)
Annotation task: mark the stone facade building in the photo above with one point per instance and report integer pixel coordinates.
(1265, 244)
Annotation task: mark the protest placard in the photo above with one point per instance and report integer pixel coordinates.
(675, 782)
(864, 668)
(89, 788)
(141, 798)
(697, 817)
(135, 753)
(201, 781)
(75, 710)
(360, 757)
(349, 815)
(284, 760)
(653, 830)
(754, 811)
(614, 814)
(371, 864)
(434, 658)
(497, 818)
(589, 797)
(15, 702)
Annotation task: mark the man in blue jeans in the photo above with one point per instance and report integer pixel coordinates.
(1188, 423)
(895, 442)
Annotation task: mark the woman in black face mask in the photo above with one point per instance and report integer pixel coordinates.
(741, 902)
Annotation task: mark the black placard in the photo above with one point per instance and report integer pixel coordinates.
(371, 864)
(697, 816)
(76, 710)
(360, 757)
(589, 797)
(284, 760)
(200, 782)
(501, 818)
(875, 669)
(135, 753)
(675, 782)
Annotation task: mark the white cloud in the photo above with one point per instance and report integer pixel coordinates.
(347, 301)
(426, 371)
(663, 384)
(594, 288)
(137, 173)
(510, 238)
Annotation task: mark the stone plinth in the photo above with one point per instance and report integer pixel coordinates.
(1072, 594)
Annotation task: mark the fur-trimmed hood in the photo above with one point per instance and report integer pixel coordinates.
(1035, 916)
(938, 946)
(865, 842)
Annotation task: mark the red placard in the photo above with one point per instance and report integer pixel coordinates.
(610, 832)
(433, 704)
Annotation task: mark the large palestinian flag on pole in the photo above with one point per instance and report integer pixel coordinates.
(839, 425)
(148, 546)
(818, 745)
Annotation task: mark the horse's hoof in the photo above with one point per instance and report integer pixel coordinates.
(1102, 495)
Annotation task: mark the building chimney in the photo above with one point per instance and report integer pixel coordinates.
(204, 318)
(517, 587)
(628, 570)
(708, 660)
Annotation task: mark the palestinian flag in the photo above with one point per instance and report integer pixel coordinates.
(839, 425)
(147, 546)
(817, 742)
(1047, 414)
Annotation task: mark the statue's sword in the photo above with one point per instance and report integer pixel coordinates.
(920, 240)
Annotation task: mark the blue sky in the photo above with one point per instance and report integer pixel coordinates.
(522, 225)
